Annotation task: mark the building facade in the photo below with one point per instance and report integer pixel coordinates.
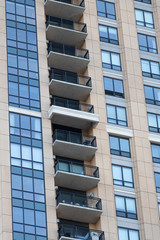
(80, 119)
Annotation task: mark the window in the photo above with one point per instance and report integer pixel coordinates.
(23, 74)
(144, 1)
(155, 153)
(119, 146)
(147, 43)
(106, 9)
(122, 176)
(128, 234)
(108, 34)
(28, 193)
(159, 208)
(116, 115)
(154, 122)
(144, 18)
(157, 180)
(150, 69)
(152, 95)
(113, 87)
(111, 60)
(126, 207)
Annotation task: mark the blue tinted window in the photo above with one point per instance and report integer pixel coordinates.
(150, 69)
(157, 181)
(116, 115)
(128, 234)
(144, 18)
(119, 146)
(126, 207)
(106, 9)
(122, 176)
(111, 60)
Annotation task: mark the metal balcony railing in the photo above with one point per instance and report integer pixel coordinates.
(70, 77)
(63, 23)
(74, 167)
(73, 231)
(79, 3)
(68, 50)
(68, 103)
(79, 200)
(74, 137)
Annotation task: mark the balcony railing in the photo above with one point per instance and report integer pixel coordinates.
(74, 137)
(70, 77)
(76, 168)
(63, 23)
(78, 200)
(68, 50)
(79, 3)
(67, 103)
(73, 231)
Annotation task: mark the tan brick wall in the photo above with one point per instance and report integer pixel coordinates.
(137, 120)
(46, 123)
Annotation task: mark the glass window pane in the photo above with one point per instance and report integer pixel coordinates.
(127, 174)
(111, 111)
(110, 8)
(152, 42)
(15, 150)
(103, 30)
(157, 179)
(155, 151)
(118, 85)
(17, 215)
(149, 92)
(37, 154)
(113, 33)
(39, 186)
(114, 143)
(26, 152)
(108, 84)
(142, 41)
(25, 122)
(145, 66)
(130, 205)
(120, 203)
(124, 145)
(155, 68)
(157, 94)
(12, 60)
(28, 184)
(115, 59)
(121, 113)
(16, 182)
(133, 235)
(152, 120)
(148, 17)
(29, 216)
(123, 234)
(106, 57)
(117, 173)
(40, 219)
(139, 16)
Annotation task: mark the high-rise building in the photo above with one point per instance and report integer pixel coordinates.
(80, 120)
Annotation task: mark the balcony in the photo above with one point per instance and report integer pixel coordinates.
(67, 9)
(74, 175)
(65, 32)
(71, 113)
(67, 84)
(74, 145)
(74, 206)
(70, 232)
(67, 58)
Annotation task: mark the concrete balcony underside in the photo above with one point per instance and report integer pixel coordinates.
(78, 213)
(67, 62)
(65, 35)
(63, 10)
(72, 118)
(75, 181)
(73, 150)
(66, 90)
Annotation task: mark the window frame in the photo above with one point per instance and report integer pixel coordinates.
(119, 152)
(117, 121)
(144, 1)
(157, 188)
(124, 183)
(155, 159)
(128, 230)
(150, 74)
(149, 49)
(126, 213)
(154, 129)
(144, 22)
(109, 40)
(111, 65)
(114, 92)
(149, 100)
(105, 12)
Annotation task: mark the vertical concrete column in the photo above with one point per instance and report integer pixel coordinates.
(5, 175)
(137, 119)
(156, 15)
(105, 191)
(46, 123)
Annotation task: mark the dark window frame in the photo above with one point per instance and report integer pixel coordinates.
(144, 22)
(111, 65)
(124, 183)
(117, 121)
(119, 152)
(109, 40)
(107, 15)
(152, 101)
(148, 49)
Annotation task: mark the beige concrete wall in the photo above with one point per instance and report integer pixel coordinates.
(5, 181)
(137, 120)
(46, 123)
(107, 222)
